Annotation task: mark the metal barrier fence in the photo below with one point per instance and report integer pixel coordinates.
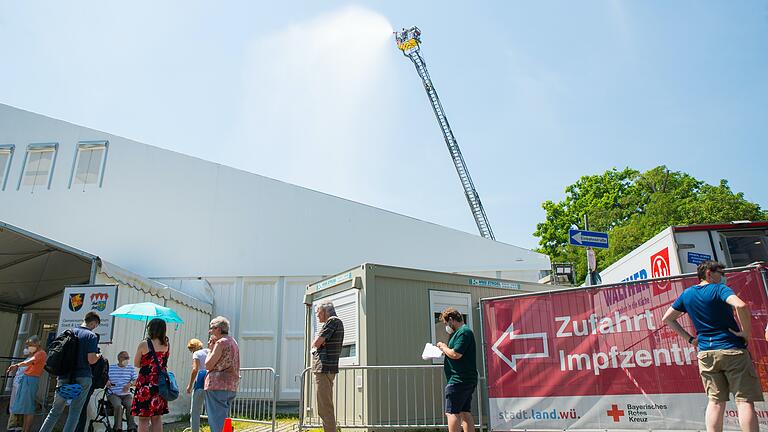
(7, 379)
(384, 397)
(45, 389)
(256, 399)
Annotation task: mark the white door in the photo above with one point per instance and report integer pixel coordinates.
(438, 302)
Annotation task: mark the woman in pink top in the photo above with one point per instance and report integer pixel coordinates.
(223, 366)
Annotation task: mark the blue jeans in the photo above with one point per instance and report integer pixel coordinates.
(74, 409)
(84, 412)
(217, 406)
(198, 397)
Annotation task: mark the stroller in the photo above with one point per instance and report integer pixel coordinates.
(105, 413)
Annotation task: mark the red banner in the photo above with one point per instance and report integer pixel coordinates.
(575, 345)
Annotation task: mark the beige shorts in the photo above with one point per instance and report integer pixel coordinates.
(729, 371)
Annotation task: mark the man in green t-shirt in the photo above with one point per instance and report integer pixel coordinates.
(460, 369)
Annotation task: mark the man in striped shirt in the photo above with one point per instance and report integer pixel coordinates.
(121, 377)
(326, 349)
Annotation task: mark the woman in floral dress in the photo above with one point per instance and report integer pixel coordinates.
(148, 405)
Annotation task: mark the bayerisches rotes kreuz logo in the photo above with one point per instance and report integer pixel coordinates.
(616, 413)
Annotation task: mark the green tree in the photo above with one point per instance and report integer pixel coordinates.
(633, 207)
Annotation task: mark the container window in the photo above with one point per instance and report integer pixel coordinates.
(89, 165)
(745, 247)
(346, 304)
(38, 167)
(6, 154)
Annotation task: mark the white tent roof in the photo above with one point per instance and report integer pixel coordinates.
(33, 269)
(165, 214)
(155, 288)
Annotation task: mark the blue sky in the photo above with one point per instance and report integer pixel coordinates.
(315, 93)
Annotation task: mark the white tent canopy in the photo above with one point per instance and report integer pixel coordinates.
(34, 269)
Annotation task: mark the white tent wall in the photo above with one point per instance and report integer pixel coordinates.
(267, 320)
(196, 217)
(292, 336)
(128, 333)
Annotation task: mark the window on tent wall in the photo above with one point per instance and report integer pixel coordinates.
(6, 155)
(90, 160)
(39, 163)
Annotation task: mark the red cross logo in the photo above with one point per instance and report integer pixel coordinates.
(615, 412)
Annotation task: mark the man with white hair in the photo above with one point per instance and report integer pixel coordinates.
(326, 349)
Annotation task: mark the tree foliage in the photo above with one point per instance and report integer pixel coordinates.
(633, 207)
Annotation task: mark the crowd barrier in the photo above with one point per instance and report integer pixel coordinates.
(384, 397)
(256, 399)
(7, 379)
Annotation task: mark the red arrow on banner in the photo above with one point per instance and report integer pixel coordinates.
(520, 346)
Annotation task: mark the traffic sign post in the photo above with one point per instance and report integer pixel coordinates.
(589, 240)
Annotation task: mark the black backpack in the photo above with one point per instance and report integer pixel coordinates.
(100, 372)
(62, 354)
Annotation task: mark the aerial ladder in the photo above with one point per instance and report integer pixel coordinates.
(409, 42)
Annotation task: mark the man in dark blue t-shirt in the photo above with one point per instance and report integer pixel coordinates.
(87, 354)
(725, 364)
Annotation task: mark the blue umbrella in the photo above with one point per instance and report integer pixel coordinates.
(147, 311)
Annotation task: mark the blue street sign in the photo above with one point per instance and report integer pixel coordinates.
(583, 238)
(698, 258)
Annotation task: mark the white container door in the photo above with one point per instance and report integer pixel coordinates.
(438, 302)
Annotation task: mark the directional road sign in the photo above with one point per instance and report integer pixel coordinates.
(593, 239)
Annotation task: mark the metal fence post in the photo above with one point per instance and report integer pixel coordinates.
(479, 391)
(302, 398)
(276, 380)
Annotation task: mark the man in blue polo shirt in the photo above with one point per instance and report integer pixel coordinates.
(725, 364)
(87, 354)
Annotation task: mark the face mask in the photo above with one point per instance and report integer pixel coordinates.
(448, 329)
(123, 361)
(26, 351)
(724, 280)
(32, 350)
